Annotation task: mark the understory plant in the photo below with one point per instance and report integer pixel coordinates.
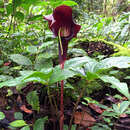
(63, 26)
(85, 67)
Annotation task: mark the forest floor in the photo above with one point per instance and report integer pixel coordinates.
(85, 116)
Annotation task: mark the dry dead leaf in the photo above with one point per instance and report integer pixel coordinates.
(96, 108)
(84, 119)
(23, 108)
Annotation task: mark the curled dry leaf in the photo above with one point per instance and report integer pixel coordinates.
(22, 106)
(84, 119)
(25, 109)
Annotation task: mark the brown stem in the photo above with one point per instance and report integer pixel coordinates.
(62, 101)
(74, 110)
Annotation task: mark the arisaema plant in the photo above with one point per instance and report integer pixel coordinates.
(62, 25)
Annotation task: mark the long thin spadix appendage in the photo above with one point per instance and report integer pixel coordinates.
(59, 36)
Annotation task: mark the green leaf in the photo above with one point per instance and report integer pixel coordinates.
(26, 73)
(77, 52)
(124, 105)
(1, 62)
(12, 82)
(33, 100)
(59, 75)
(127, 77)
(100, 126)
(90, 70)
(19, 15)
(27, 3)
(9, 9)
(76, 62)
(43, 63)
(18, 123)
(125, 30)
(25, 128)
(69, 3)
(46, 44)
(36, 17)
(2, 115)
(99, 26)
(17, 3)
(116, 109)
(121, 87)
(20, 59)
(32, 49)
(119, 62)
(39, 123)
(67, 72)
(18, 115)
(5, 77)
(42, 77)
(108, 113)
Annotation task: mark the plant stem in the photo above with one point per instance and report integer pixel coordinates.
(62, 102)
(74, 110)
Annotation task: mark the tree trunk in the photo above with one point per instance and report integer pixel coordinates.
(105, 7)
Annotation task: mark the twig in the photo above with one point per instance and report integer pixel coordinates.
(74, 110)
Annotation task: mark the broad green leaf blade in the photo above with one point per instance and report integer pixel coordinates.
(42, 77)
(20, 59)
(46, 44)
(59, 75)
(32, 49)
(119, 62)
(77, 62)
(19, 15)
(39, 124)
(120, 86)
(5, 77)
(18, 115)
(116, 109)
(2, 115)
(124, 105)
(18, 123)
(77, 52)
(92, 68)
(12, 82)
(26, 73)
(41, 63)
(33, 100)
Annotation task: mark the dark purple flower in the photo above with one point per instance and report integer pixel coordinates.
(61, 23)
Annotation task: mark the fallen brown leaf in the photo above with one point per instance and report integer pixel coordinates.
(23, 108)
(96, 108)
(84, 119)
